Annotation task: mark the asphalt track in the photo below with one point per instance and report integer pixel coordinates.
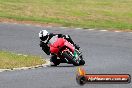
(104, 52)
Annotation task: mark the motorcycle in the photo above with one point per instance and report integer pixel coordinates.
(65, 51)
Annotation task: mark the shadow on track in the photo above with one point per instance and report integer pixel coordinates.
(63, 66)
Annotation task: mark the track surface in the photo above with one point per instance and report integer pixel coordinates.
(104, 52)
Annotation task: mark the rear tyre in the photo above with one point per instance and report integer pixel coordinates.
(70, 58)
(54, 60)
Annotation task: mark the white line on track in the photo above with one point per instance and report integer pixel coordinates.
(78, 28)
(25, 55)
(28, 24)
(15, 23)
(91, 29)
(117, 31)
(103, 30)
(19, 54)
(26, 68)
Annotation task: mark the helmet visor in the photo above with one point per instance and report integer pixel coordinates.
(44, 38)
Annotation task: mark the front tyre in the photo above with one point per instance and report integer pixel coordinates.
(82, 62)
(70, 58)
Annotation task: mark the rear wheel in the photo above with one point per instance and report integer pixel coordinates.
(54, 60)
(70, 58)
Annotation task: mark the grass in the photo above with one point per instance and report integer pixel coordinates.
(10, 60)
(109, 14)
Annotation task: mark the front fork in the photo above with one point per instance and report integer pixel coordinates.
(77, 55)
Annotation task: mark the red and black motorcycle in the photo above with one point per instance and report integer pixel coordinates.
(65, 51)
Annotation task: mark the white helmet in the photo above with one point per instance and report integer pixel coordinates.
(43, 35)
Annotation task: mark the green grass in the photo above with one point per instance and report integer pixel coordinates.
(10, 60)
(109, 14)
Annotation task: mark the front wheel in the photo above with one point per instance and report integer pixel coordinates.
(82, 62)
(70, 58)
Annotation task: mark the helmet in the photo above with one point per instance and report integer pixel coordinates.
(43, 35)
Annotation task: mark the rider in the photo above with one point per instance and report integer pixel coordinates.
(45, 37)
